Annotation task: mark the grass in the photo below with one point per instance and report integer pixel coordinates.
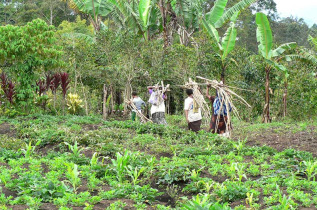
(94, 164)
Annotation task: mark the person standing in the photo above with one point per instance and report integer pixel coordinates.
(219, 113)
(192, 112)
(158, 106)
(139, 104)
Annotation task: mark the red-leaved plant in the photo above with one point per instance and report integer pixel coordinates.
(56, 81)
(4, 82)
(10, 92)
(49, 79)
(64, 83)
(7, 87)
(41, 87)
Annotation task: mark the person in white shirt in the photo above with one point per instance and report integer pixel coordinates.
(192, 112)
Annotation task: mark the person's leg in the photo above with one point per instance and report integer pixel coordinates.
(198, 125)
(213, 124)
(161, 118)
(194, 126)
(154, 118)
(133, 115)
(222, 125)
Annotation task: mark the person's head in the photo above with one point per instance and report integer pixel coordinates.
(189, 92)
(134, 94)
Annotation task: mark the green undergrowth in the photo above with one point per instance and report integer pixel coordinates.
(86, 162)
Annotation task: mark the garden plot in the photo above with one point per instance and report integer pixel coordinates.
(87, 163)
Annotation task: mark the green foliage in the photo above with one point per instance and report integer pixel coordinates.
(121, 163)
(144, 11)
(74, 104)
(207, 171)
(228, 41)
(74, 148)
(29, 149)
(231, 192)
(217, 11)
(264, 35)
(95, 9)
(73, 176)
(202, 203)
(232, 11)
(28, 50)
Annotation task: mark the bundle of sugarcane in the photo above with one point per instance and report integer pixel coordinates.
(132, 106)
(199, 99)
(225, 94)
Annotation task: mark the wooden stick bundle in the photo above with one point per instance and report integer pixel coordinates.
(226, 98)
(132, 106)
(200, 100)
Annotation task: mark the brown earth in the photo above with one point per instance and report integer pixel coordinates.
(301, 140)
(9, 130)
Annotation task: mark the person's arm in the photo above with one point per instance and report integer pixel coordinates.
(164, 96)
(143, 103)
(207, 91)
(186, 109)
(186, 116)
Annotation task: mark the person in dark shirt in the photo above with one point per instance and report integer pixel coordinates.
(216, 103)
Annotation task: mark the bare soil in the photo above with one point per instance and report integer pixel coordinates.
(273, 137)
(9, 130)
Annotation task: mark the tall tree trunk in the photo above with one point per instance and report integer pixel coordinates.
(112, 100)
(266, 111)
(104, 107)
(285, 99)
(127, 95)
(223, 71)
(51, 14)
(148, 34)
(164, 22)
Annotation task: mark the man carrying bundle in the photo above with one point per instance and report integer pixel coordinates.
(192, 112)
(219, 113)
(157, 98)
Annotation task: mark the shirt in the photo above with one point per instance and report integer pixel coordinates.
(189, 106)
(138, 102)
(218, 109)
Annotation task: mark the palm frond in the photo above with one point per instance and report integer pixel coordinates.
(284, 47)
(232, 11)
(303, 55)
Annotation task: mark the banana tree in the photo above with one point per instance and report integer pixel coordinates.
(95, 9)
(224, 46)
(123, 12)
(187, 14)
(144, 14)
(271, 56)
(216, 18)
